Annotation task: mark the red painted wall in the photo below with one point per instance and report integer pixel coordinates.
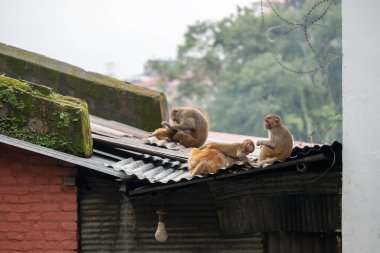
(38, 213)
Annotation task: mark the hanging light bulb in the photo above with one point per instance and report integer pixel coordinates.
(161, 233)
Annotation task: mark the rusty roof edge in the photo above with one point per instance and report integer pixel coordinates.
(118, 126)
(84, 162)
(142, 148)
(309, 159)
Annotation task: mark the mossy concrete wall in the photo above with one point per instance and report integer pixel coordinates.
(106, 97)
(38, 115)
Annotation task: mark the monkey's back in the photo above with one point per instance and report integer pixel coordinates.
(200, 133)
(206, 161)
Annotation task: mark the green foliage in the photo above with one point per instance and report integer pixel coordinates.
(244, 67)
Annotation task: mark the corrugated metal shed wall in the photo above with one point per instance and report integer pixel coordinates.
(308, 213)
(279, 202)
(111, 222)
(106, 217)
(286, 242)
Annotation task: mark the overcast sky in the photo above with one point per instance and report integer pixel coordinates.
(92, 33)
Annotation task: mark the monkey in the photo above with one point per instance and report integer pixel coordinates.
(187, 126)
(161, 134)
(279, 145)
(190, 126)
(238, 151)
(206, 161)
(204, 113)
(169, 129)
(166, 132)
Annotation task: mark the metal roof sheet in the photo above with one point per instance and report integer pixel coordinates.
(98, 163)
(124, 153)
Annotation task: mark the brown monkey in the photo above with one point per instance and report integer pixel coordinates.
(161, 134)
(188, 126)
(166, 132)
(279, 144)
(206, 161)
(234, 150)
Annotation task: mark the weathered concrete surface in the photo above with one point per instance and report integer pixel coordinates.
(106, 97)
(36, 114)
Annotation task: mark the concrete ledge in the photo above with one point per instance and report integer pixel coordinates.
(106, 97)
(38, 115)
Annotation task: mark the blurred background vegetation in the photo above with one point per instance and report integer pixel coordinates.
(282, 58)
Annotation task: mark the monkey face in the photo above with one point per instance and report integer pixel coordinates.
(175, 115)
(266, 124)
(249, 146)
(271, 121)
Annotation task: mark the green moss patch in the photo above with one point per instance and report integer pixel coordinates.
(35, 114)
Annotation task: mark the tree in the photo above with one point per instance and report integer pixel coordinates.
(246, 66)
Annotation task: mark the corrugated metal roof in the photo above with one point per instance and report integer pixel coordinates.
(106, 125)
(98, 163)
(152, 140)
(154, 171)
(124, 153)
(165, 168)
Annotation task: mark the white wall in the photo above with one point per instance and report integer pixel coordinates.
(361, 126)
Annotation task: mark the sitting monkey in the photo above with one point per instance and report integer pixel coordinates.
(279, 145)
(188, 126)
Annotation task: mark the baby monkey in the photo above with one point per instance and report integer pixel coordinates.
(161, 134)
(279, 145)
(237, 151)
